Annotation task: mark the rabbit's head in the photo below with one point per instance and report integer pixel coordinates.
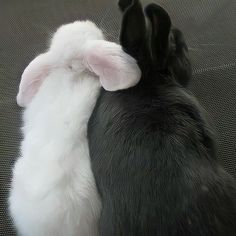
(149, 37)
(70, 41)
(79, 48)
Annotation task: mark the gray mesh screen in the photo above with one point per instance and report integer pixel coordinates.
(209, 27)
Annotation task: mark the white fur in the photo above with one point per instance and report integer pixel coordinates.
(78, 49)
(53, 190)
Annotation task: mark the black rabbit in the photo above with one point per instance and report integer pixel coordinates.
(151, 148)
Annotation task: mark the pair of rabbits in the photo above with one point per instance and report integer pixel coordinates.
(133, 158)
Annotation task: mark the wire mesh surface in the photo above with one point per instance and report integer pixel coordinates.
(209, 27)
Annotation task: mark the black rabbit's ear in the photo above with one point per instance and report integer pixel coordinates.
(133, 29)
(160, 30)
(124, 4)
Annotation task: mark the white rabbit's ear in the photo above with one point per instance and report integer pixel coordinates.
(115, 68)
(32, 77)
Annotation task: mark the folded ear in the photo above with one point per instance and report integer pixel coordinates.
(32, 78)
(115, 68)
(160, 30)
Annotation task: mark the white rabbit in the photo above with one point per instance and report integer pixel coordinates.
(53, 190)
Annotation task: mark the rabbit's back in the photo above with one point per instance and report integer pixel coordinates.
(155, 165)
(53, 189)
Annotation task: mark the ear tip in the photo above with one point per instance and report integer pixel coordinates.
(20, 101)
(127, 5)
(150, 8)
(153, 7)
(153, 10)
(124, 4)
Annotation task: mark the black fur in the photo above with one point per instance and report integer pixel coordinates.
(152, 150)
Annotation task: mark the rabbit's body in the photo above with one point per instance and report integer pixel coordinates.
(53, 189)
(155, 165)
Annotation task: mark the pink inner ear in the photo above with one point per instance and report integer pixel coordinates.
(115, 68)
(106, 69)
(32, 78)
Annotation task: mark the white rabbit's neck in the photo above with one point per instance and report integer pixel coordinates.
(58, 115)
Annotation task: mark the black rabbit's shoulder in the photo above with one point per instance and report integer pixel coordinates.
(167, 114)
(150, 105)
